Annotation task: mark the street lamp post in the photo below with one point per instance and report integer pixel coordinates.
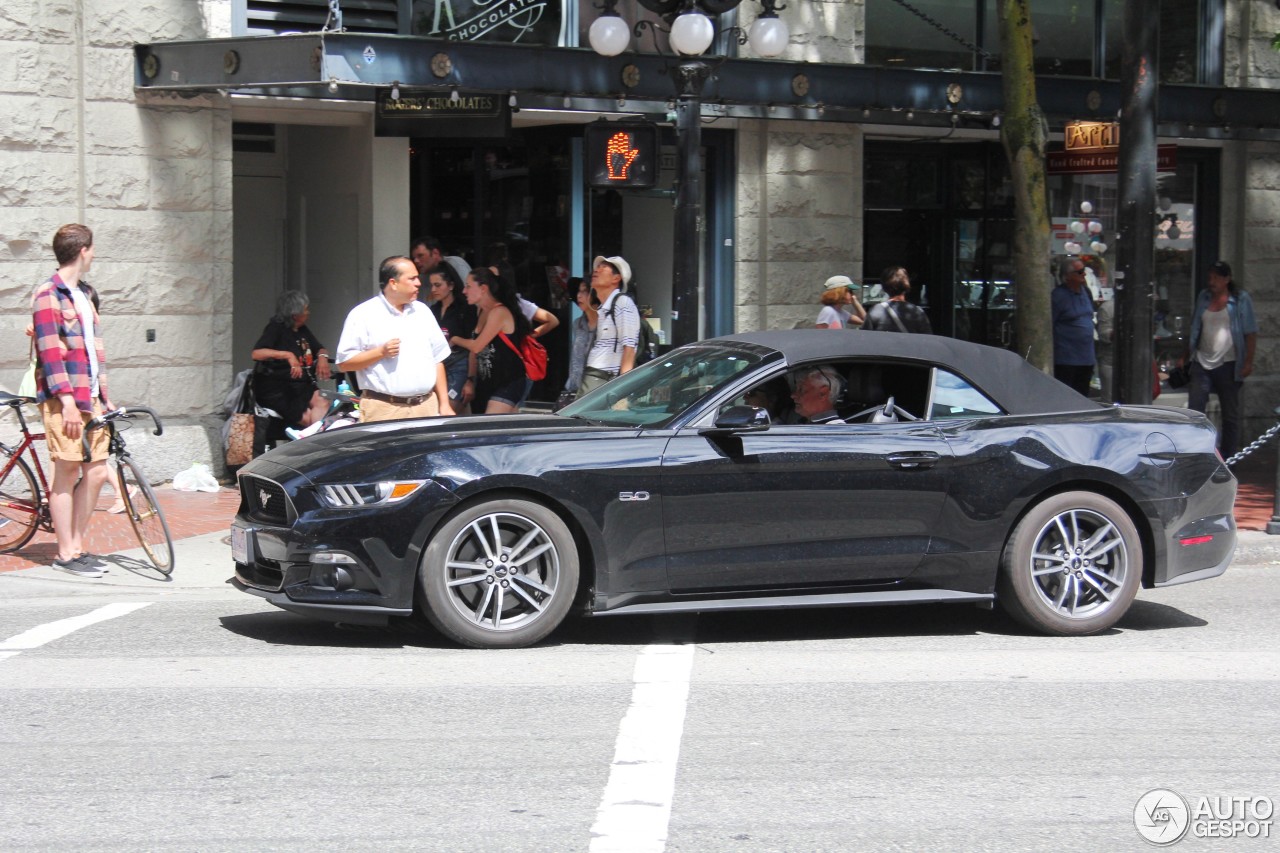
(691, 33)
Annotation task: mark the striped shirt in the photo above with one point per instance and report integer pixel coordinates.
(617, 326)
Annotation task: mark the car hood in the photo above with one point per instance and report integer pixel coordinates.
(371, 448)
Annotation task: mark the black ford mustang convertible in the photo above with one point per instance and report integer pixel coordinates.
(958, 473)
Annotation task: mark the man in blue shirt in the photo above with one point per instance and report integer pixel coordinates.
(1073, 355)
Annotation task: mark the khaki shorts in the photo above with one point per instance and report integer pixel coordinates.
(372, 411)
(66, 449)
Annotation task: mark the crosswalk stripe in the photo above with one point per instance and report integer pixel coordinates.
(636, 807)
(50, 631)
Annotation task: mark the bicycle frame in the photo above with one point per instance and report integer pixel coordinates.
(27, 446)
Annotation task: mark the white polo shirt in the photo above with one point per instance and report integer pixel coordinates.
(422, 346)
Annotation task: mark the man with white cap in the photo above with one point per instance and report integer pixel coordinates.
(618, 326)
(837, 292)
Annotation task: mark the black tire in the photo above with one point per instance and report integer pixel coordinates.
(490, 597)
(19, 503)
(144, 514)
(1071, 566)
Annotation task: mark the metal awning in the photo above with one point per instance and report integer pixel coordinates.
(355, 66)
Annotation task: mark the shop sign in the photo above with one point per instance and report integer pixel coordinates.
(523, 21)
(1082, 136)
(622, 155)
(1104, 161)
(437, 113)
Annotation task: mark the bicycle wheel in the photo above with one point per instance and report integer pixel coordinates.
(145, 515)
(19, 502)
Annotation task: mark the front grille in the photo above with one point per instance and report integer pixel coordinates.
(265, 500)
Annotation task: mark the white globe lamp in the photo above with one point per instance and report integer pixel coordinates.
(691, 34)
(768, 36)
(609, 35)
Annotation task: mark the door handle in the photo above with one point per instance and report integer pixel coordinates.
(915, 459)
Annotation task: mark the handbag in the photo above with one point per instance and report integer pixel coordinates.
(27, 387)
(1179, 376)
(532, 353)
(240, 434)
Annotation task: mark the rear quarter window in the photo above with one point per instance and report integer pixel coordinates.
(954, 397)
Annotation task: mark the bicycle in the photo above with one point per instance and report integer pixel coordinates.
(24, 505)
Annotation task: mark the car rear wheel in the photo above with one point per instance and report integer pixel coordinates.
(499, 574)
(1071, 566)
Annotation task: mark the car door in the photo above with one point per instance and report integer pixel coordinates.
(795, 506)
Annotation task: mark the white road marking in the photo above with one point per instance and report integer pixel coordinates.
(47, 633)
(636, 807)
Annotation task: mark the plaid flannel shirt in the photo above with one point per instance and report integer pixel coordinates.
(60, 350)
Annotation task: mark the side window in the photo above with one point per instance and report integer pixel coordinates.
(953, 397)
(772, 395)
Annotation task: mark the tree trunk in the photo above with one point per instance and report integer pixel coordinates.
(1023, 133)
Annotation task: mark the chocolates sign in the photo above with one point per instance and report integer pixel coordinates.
(523, 21)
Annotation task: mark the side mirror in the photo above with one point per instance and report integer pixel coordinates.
(739, 419)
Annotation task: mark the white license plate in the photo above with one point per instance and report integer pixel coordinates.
(240, 538)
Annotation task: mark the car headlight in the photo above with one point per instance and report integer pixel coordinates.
(368, 494)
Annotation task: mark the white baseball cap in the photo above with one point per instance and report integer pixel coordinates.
(623, 268)
(837, 281)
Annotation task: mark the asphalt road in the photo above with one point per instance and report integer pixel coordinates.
(140, 714)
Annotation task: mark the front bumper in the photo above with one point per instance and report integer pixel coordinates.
(345, 565)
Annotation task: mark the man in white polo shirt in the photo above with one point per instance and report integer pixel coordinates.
(618, 326)
(397, 350)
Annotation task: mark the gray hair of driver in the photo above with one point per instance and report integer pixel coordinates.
(834, 381)
(289, 304)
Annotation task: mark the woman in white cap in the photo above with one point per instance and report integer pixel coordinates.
(837, 293)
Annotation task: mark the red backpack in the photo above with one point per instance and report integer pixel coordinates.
(532, 353)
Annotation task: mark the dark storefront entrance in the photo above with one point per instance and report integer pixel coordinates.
(945, 212)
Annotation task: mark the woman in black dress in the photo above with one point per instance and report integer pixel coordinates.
(496, 368)
(290, 360)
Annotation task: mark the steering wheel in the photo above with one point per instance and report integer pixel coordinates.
(890, 412)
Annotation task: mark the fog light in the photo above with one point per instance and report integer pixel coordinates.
(330, 557)
(331, 577)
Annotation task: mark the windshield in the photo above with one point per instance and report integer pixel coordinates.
(653, 395)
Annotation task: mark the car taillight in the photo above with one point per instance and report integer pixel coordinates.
(1195, 540)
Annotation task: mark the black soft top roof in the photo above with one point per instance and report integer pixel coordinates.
(1010, 381)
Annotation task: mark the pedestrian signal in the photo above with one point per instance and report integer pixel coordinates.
(622, 155)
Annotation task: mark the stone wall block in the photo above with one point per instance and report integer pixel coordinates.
(125, 128)
(748, 288)
(140, 288)
(40, 123)
(26, 233)
(1261, 244)
(181, 340)
(116, 183)
(747, 238)
(830, 240)
(48, 21)
(221, 276)
(121, 24)
(1263, 168)
(806, 196)
(33, 178)
(811, 153)
(111, 78)
(18, 282)
(1262, 207)
(34, 68)
(1263, 62)
(222, 183)
(181, 184)
(157, 235)
(750, 190)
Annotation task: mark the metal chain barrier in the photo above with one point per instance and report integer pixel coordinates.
(942, 29)
(1254, 445)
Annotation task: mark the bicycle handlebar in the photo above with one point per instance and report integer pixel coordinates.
(124, 412)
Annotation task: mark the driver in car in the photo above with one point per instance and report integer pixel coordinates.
(817, 390)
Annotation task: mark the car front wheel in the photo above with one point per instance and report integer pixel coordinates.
(1072, 565)
(499, 574)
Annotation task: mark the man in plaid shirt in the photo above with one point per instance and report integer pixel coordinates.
(71, 390)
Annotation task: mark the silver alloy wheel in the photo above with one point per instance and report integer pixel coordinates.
(1079, 563)
(502, 571)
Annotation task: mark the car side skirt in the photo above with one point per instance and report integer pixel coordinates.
(778, 602)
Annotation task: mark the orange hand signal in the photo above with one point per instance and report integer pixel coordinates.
(620, 155)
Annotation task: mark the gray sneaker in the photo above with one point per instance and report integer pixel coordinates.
(77, 567)
(95, 561)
